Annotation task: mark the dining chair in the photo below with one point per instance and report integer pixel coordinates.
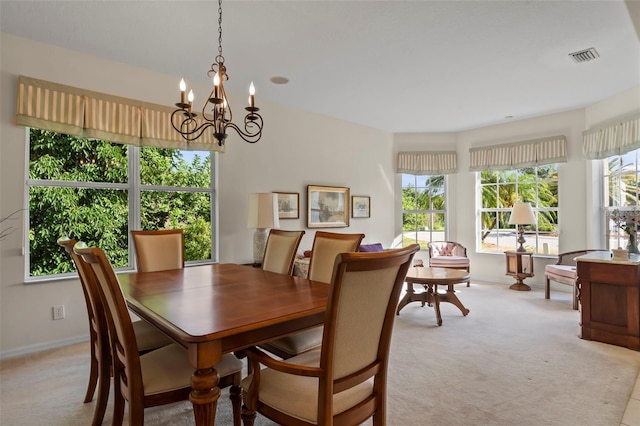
(159, 250)
(343, 382)
(147, 337)
(280, 251)
(158, 377)
(326, 246)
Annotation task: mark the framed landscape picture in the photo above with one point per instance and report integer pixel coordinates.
(288, 205)
(360, 206)
(327, 206)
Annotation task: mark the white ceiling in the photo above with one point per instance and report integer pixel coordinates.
(398, 66)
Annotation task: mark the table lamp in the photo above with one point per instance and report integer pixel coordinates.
(263, 214)
(522, 214)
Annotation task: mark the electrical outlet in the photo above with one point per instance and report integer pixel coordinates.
(58, 312)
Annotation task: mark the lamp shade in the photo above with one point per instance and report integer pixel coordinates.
(522, 214)
(263, 210)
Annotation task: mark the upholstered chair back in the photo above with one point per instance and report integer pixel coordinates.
(446, 248)
(326, 246)
(280, 252)
(159, 250)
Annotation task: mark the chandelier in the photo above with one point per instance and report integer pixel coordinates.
(216, 112)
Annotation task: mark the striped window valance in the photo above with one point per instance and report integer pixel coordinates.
(84, 113)
(427, 163)
(519, 154)
(614, 138)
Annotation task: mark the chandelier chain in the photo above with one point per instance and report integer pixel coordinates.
(220, 58)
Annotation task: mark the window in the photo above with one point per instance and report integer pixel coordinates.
(423, 209)
(97, 191)
(621, 191)
(499, 190)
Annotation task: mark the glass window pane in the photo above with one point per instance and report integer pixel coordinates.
(507, 195)
(408, 181)
(422, 181)
(172, 167)
(629, 188)
(56, 156)
(488, 177)
(424, 200)
(408, 199)
(489, 196)
(187, 210)
(98, 217)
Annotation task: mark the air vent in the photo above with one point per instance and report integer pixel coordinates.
(584, 55)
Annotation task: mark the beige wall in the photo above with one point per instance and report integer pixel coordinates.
(297, 149)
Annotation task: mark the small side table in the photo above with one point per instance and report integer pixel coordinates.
(519, 266)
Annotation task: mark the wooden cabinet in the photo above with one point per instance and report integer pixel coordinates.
(610, 299)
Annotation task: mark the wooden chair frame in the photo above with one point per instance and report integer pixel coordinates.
(127, 372)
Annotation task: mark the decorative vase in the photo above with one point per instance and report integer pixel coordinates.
(632, 245)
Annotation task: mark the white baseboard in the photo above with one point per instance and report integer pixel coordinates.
(25, 350)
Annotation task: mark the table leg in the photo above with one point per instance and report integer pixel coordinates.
(450, 297)
(436, 303)
(204, 395)
(406, 299)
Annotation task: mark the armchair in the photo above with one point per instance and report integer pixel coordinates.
(448, 254)
(564, 272)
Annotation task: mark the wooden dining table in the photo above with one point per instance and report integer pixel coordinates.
(221, 308)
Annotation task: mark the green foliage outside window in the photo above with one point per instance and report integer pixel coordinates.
(81, 188)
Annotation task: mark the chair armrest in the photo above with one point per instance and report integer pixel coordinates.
(256, 356)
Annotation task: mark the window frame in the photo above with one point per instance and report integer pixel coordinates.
(444, 212)
(533, 231)
(134, 189)
(610, 202)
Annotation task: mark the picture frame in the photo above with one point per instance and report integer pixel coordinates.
(360, 206)
(327, 206)
(288, 205)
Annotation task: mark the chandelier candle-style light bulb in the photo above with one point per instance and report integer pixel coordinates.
(216, 112)
(252, 92)
(183, 88)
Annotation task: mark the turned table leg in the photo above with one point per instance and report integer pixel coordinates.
(204, 395)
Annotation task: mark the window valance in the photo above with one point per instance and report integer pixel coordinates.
(614, 138)
(519, 154)
(79, 112)
(427, 163)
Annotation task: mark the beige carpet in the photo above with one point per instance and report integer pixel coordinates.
(514, 360)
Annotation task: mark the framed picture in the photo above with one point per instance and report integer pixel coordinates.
(288, 205)
(327, 207)
(360, 206)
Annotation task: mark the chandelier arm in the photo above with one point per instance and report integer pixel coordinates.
(189, 135)
(247, 137)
